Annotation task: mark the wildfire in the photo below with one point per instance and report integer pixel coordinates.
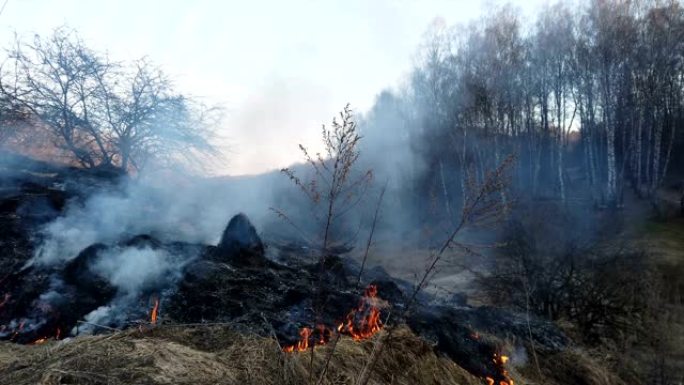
(361, 323)
(303, 343)
(43, 340)
(155, 312)
(500, 363)
(364, 321)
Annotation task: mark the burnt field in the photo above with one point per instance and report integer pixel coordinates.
(244, 310)
(503, 205)
(232, 285)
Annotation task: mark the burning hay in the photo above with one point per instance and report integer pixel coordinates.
(360, 324)
(215, 355)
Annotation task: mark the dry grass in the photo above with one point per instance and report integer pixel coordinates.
(665, 239)
(215, 356)
(572, 366)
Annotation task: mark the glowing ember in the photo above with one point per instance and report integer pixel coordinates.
(323, 334)
(155, 312)
(361, 323)
(43, 340)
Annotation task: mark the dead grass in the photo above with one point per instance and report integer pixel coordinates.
(215, 356)
(572, 366)
(665, 239)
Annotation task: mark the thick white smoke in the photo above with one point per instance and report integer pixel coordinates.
(169, 209)
(132, 271)
(175, 208)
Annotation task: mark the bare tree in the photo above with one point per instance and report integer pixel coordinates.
(146, 120)
(55, 79)
(103, 113)
(11, 119)
(334, 186)
(555, 43)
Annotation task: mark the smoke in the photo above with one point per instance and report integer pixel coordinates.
(132, 270)
(166, 207)
(137, 274)
(169, 208)
(387, 148)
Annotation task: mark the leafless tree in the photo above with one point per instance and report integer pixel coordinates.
(103, 113)
(55, 79)
(598, 88)
(333, 187)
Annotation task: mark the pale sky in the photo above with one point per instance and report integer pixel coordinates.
(279, 68)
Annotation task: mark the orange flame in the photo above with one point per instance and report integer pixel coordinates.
(500, 363)
(370, 322)
(361, 323)
(303, 342)
(39, 341)
(42, 340)
(155, 312)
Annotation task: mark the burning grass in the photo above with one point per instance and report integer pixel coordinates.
(360, 324)
(212, 355)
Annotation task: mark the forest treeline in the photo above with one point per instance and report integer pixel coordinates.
(589, 99)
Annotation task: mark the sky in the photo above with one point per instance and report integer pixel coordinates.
(279, 69)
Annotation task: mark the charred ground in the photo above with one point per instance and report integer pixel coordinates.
(232, 284)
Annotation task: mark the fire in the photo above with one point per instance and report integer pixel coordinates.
(323, 334)
(43, 340)
(500, 363)
(364, 321)
(361, 323)
(303, 342)
(155, 312)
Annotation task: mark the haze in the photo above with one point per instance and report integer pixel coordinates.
(280, 69)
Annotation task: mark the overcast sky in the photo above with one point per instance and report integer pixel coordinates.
(279, 68)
